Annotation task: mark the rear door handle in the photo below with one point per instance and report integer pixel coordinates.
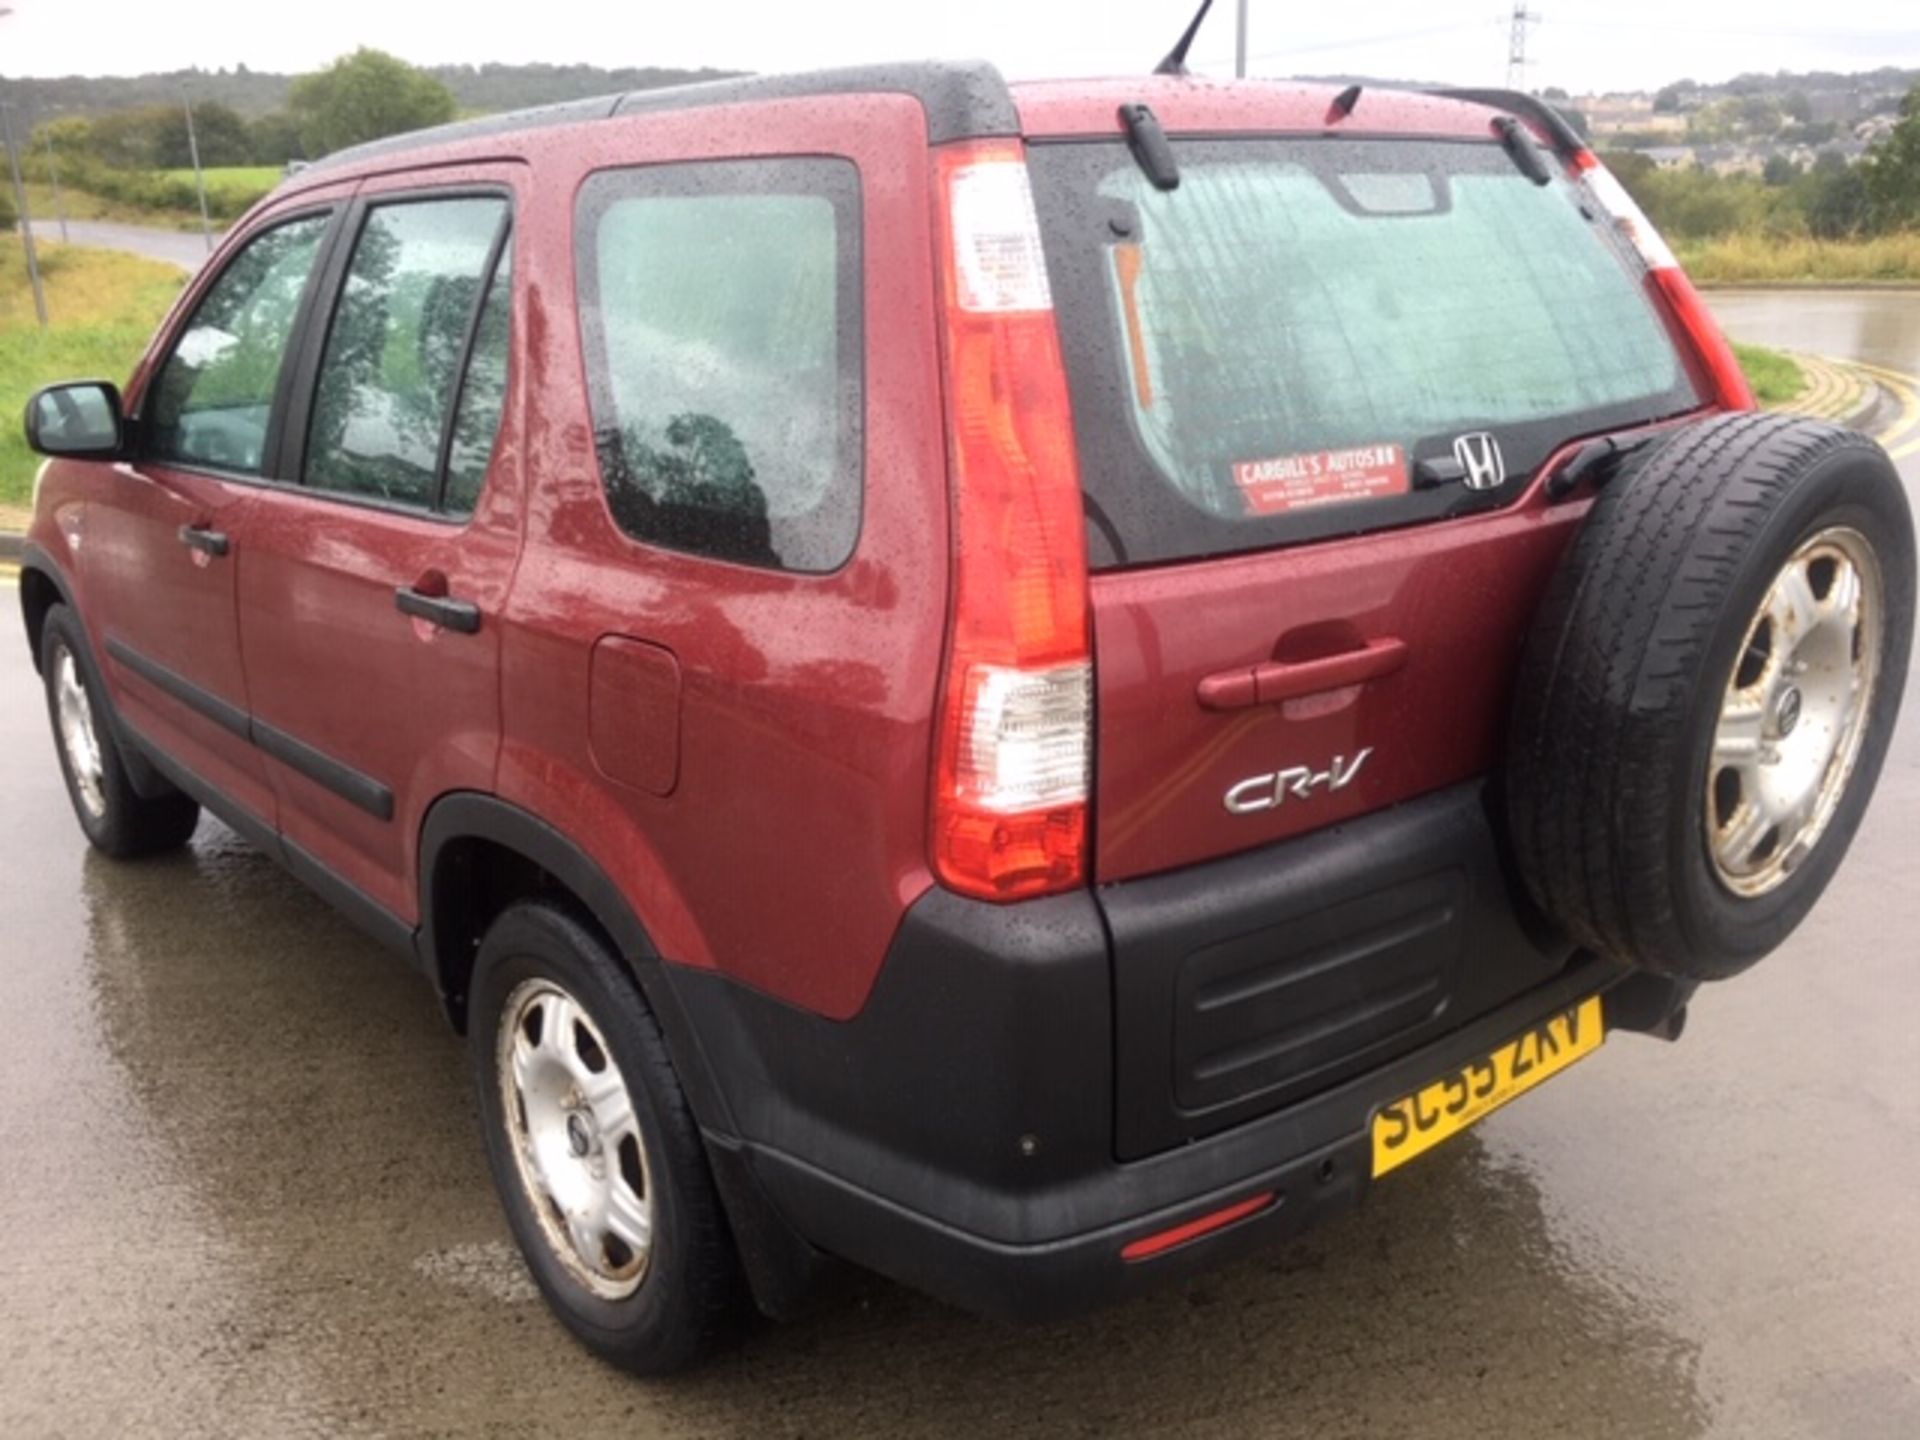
(207, 542)
(1275, 681)
(442, 610)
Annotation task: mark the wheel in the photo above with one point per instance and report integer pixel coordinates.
(598, 1161)
(1708, 692)
(117, 819)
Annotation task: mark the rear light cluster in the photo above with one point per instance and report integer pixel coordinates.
(1726, 382)
(1015, 738)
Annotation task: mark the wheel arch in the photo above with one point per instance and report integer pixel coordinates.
(478, 854)
(42, 586)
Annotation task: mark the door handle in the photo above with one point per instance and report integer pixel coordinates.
(207, 542)
(1275, 681)
(442, 610)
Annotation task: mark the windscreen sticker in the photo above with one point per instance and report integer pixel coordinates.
(1324, 477)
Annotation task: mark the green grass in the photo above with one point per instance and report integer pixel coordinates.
(1768, 260)
(1774, 377)
(102, 305)
(85, 205)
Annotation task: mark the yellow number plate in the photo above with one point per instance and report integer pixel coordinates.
(1416, 1124)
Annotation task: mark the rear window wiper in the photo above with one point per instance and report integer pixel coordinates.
(1151, 149)
(1598, 460)
(1527, 158)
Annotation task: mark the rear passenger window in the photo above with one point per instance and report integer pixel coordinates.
(213, 397)
(720, 308)
(392, 365)
(483, 393)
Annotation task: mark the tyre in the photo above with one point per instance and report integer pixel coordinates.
(117, 819)
(595, 1152)
(1708, 691)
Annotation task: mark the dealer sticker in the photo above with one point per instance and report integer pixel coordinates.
(1323, 477)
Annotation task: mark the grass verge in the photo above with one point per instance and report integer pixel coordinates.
(84, 205)
(233, 188)
(1763, 260)
(1775, 378)
(103, 307)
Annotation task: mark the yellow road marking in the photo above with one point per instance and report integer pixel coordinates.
(1904, 388)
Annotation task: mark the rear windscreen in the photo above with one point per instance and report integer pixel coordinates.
(1317, 337)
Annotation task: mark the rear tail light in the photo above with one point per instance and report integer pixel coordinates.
(1726, 382)
(1015, 738)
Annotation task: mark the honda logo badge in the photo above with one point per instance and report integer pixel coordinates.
(1480, 458)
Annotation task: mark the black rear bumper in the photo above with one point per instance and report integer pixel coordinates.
(964, 1133)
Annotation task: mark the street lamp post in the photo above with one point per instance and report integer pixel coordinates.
(20, 204)
(1240, 43)
(53, 174)
(199, 179)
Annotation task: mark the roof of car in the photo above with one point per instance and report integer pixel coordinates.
(970, 100)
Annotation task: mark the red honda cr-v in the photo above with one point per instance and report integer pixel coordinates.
(1026, 686)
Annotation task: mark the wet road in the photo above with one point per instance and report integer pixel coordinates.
(187, 249)
(241, 1192)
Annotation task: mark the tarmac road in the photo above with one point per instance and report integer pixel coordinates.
(185, 248)
(241, 1192)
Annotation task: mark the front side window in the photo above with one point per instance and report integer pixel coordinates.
(392, 364)
(720, 309)
(211, 403)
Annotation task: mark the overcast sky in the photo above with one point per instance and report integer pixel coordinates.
(1580, 45)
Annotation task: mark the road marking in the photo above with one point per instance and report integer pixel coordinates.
(1906, 389)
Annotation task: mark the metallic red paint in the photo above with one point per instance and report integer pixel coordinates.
(794, 833)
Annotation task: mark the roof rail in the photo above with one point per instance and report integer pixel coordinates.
(963, 100)
(1542, 116)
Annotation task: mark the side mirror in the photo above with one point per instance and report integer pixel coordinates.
(78, 421)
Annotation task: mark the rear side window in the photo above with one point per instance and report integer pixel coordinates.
(211, 403)
(1289, 344)
(414, 287)
(721, 317)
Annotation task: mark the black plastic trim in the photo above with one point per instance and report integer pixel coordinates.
(460, 616)
(963, 100)
(330, 774)
(1565, 139)
(353, 786)
(225, 714)
(362, 910)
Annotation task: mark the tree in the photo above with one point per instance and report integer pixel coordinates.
(365, 96)
(1891, 172)
(1667, 100)
(1798, 107)
(274, 139)
(1779, 171)
(221, 133)
(1838, 207)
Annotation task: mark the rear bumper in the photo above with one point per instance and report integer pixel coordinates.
(959, 1134)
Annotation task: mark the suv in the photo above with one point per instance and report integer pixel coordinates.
(1026, 686)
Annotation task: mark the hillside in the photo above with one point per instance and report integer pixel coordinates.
(254, 93)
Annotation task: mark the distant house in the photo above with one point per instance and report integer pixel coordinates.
(1671, 157)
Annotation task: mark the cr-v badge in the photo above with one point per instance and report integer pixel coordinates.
(1265, 792)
